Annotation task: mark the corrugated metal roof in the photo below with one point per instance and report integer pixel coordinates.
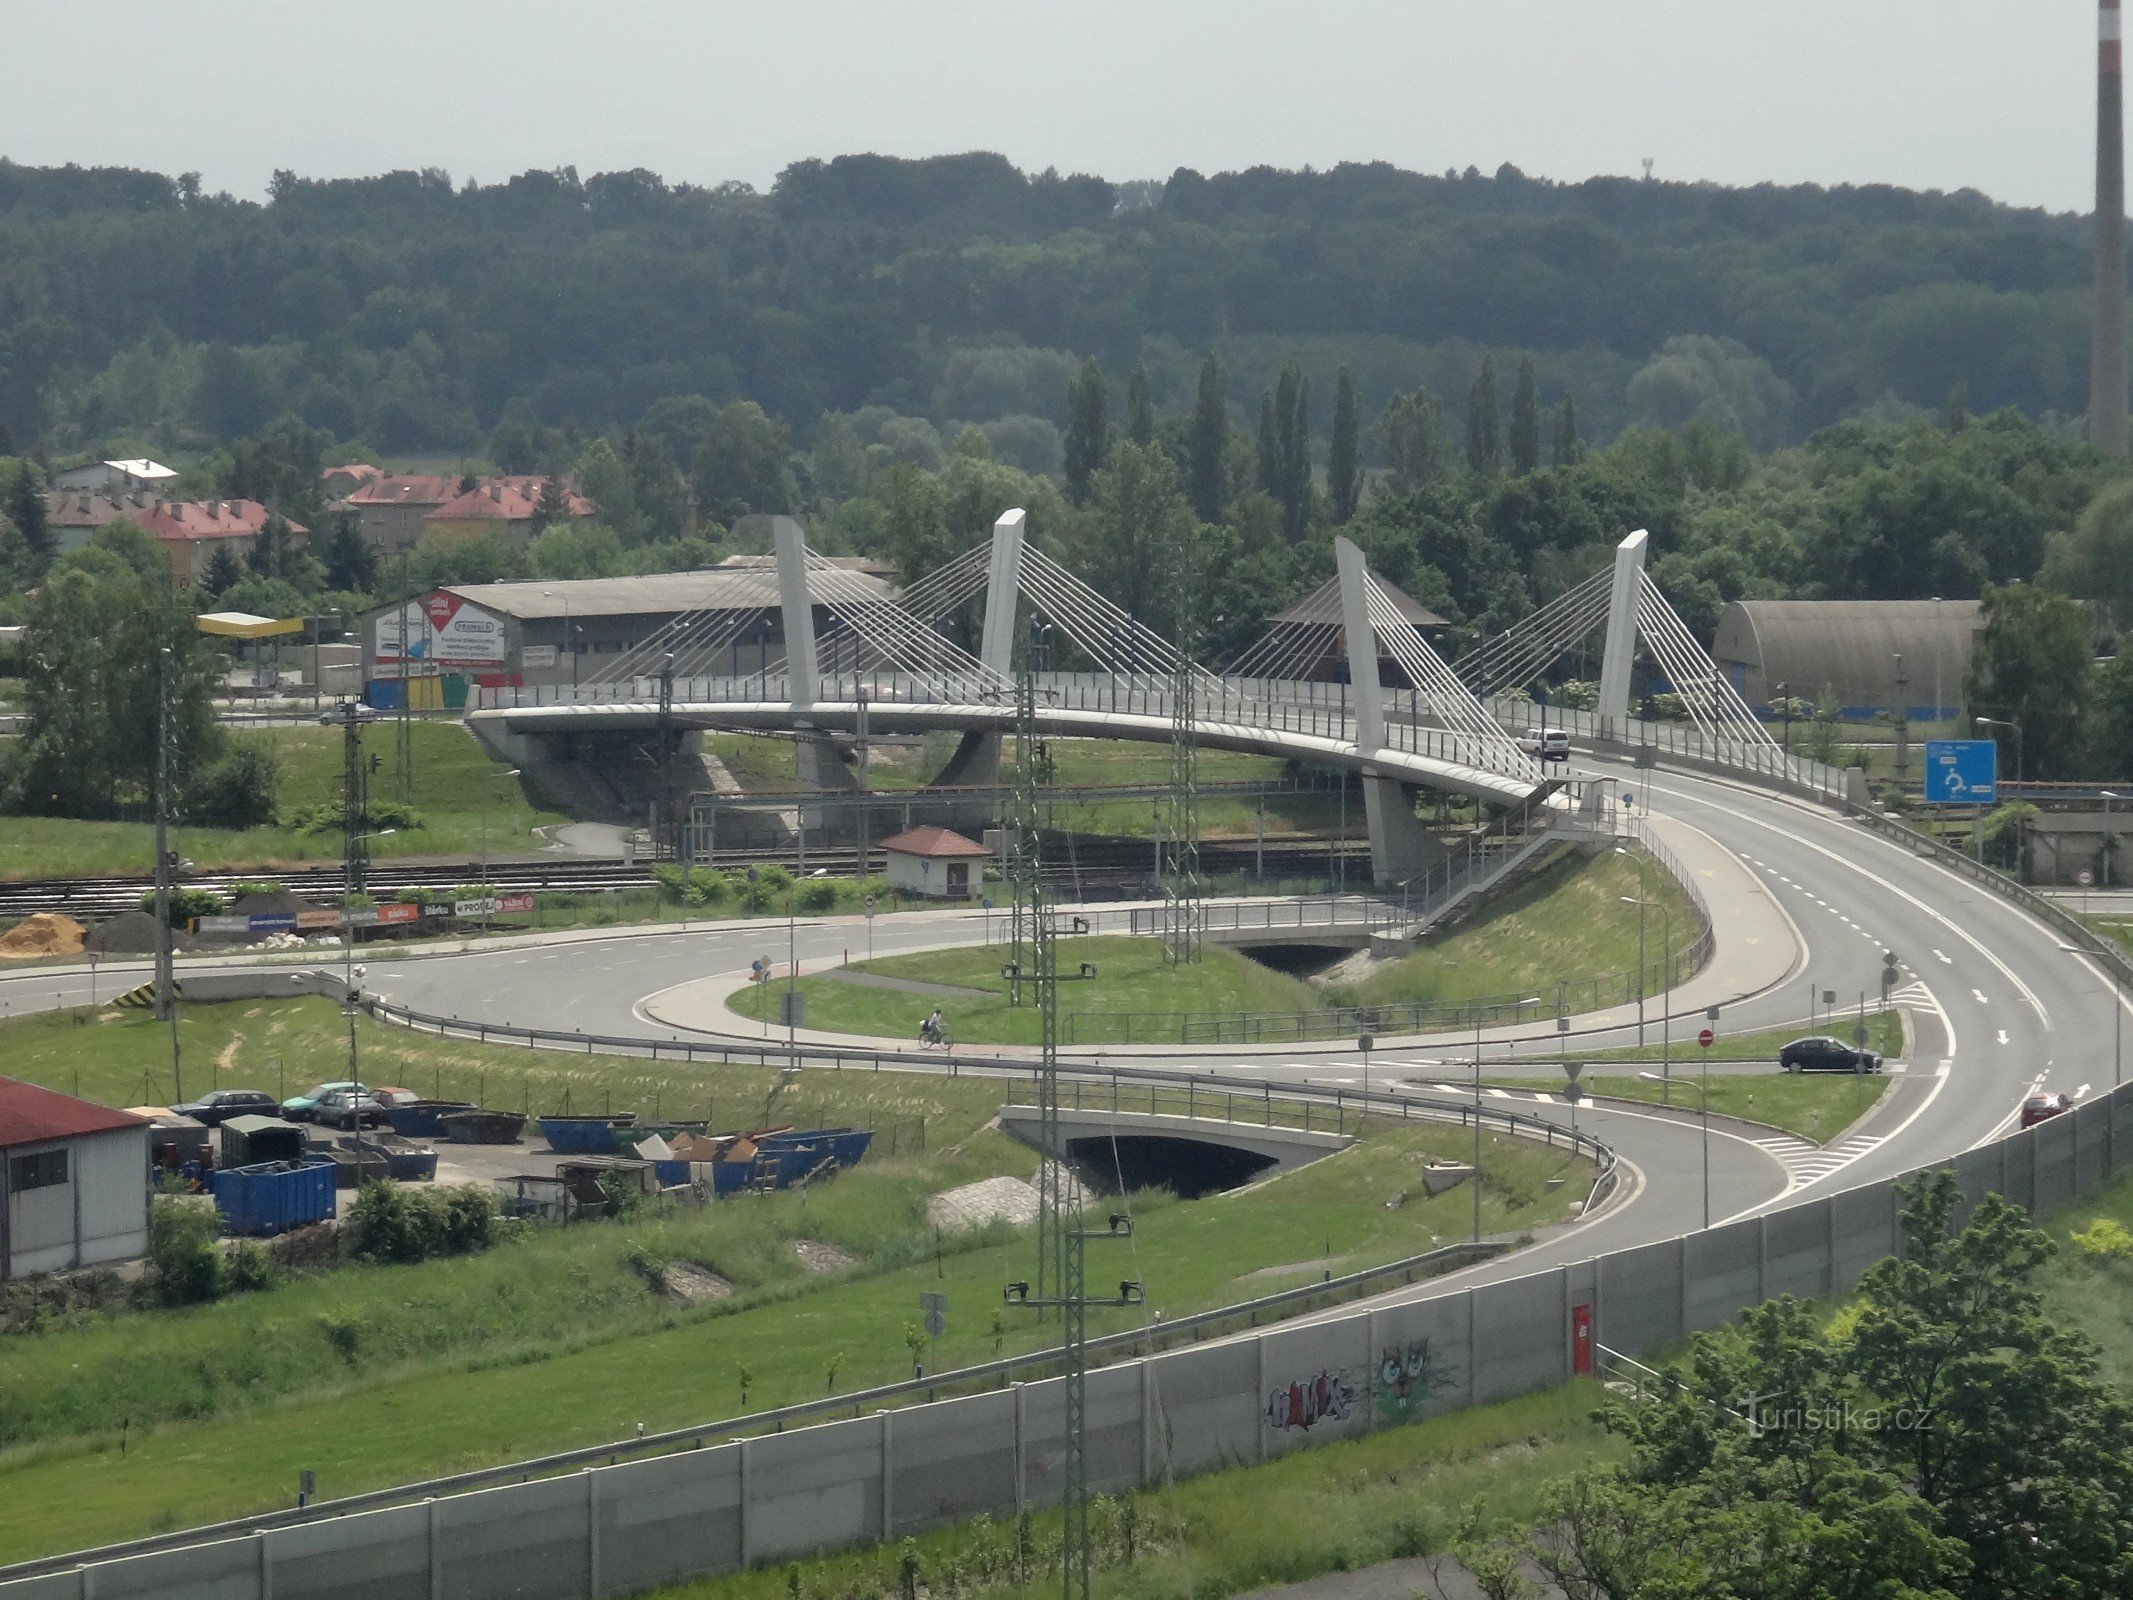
(718, 589)
(30, 1115)
(1848, 648)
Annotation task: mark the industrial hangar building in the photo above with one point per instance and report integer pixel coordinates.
(1868, 656)
(719, 621)
(76, 1189)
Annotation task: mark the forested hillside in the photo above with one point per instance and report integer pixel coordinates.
(414, 314)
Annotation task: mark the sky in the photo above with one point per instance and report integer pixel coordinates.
(1995, 95)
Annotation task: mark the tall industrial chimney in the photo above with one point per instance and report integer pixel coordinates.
(2107, 324)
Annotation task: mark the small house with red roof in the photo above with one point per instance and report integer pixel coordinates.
(393, 513)
(934, 863)
(191, 531)
(75, 1189)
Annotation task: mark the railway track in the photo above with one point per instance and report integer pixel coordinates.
(1093, 867)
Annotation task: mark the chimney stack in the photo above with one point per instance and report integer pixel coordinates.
(2107, 325)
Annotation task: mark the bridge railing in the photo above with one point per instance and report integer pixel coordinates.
(1686, 743)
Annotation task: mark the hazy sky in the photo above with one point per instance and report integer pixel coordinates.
(1989, 94)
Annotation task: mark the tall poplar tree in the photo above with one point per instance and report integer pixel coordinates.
(1208, 442)
(1484, 423)
(1344, 457)
(1526, 420)
(1569, 448)
(1269, 448)
(1088, 433)
(1140, 408)
(1292, 434)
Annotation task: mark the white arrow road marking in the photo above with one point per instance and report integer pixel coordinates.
(1981, 1000)
(1944, 957)
(2003, 1036)
(2078, 1093)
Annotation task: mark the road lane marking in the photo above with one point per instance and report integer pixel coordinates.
(1944, 957)
(1981, 1000)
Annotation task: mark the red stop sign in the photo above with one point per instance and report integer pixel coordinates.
(1706, 1038)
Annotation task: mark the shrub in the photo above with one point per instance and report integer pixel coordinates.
(239, 790)
(2103, 1240)
(706, 888)
(250, 1268)
(245, 886)
(755, 897)
(186, 904)
(818, 896)
(394, 1224)
(673, 882)
(326, 817)
(184, 1261)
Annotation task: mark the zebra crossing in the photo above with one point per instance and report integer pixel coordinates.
(1805, 1162)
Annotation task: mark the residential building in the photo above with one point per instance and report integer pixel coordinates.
(393, 513)
(73, 1182)
(338, 483)
(117, 477)
(74, 515)
(193, 530)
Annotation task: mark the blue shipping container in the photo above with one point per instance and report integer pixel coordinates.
(273, 1196)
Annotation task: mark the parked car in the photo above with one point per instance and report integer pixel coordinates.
(394, 1095)
(1545, 744)
(218, 1107)
(349, 1108)
(2043, 1107)
(1822, 1053)
(298, 1108)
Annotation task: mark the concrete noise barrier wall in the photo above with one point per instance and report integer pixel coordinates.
(620, 1529)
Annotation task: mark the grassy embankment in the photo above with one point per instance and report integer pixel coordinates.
(1394, 1493)
(374, 1374)
(1557, 933)
(457, 789)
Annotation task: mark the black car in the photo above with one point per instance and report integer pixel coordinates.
(218, 1107)
(1824, 1054)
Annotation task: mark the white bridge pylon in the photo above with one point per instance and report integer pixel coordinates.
(1636, 613)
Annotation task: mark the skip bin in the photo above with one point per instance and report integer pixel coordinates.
(273, 1196)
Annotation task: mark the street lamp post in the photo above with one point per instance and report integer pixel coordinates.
(2015, 728)
(1639, 900)
(2110, 839)
(487, 893)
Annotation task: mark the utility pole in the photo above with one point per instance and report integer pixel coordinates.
(166, 981)
(663, 804)
(2107, 325)
(1061, 1276)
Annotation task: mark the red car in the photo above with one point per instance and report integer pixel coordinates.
(2042, 1107)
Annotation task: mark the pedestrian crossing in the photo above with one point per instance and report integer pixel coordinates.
(1805, 1162)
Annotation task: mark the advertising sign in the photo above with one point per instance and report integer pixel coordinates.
(1961, 772)
(492, 906)
(441, 630)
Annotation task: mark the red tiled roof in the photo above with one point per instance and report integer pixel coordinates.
(396, 491)
(514, 499)
(209, 519)
(77, 508)
(934, 842)
(30, 1115)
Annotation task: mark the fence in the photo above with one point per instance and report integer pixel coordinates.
(705, 1507)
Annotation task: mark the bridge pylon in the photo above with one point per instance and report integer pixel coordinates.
(1400, 847)
(1621, 650)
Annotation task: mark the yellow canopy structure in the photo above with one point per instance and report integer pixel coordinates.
(243, 625)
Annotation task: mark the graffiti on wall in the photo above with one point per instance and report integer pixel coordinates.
(1408, 1377)
(1328, 1396)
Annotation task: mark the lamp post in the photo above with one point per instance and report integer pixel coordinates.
(1939, 706)
(1784, 698)
(2015, 728)
(2110, 839)
(1639, 900)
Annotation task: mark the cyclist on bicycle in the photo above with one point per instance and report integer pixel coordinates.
(934, 1029)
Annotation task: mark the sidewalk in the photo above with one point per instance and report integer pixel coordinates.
(1755, 948)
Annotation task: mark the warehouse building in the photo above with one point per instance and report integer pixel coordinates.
(1869, 656)
(719, 621)
(76, 1190)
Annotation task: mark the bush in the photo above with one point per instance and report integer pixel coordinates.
(252, 1268)
(186, 904)
(184, 1261)
(394, 1224)
(325, 817)
(756, 896)
(239, 790)
(672, 881)
(818, 897)
(706, 888)
(2103, 1240)
(245, 886)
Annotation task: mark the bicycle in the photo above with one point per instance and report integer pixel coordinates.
(937, 1039)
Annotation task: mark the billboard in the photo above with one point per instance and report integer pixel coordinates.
(1961, 772)
(440, 630)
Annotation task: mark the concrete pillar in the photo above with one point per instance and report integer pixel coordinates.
(1003, 591)
(1400, 848)
(1621, 636)
(798, 606)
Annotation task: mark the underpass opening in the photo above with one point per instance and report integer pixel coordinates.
(1298, 959)
(1189, 1168)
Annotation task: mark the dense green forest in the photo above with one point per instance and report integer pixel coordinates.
(416, 315)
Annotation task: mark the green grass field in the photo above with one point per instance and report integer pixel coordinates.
(1884, 1032)
(1131, 975)
(1555, 930)
(376, 1374)
(457, 789)
(1816, 1106)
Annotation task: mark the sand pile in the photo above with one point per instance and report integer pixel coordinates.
(45, 934)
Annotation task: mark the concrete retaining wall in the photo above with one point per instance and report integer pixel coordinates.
(619, 1529)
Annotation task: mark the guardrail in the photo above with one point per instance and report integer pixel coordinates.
(1139, 1341)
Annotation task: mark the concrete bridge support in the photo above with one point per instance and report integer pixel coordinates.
(976, 760)
(1401, 849)
(1621, 654)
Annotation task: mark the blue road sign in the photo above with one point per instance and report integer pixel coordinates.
(1962, 772)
